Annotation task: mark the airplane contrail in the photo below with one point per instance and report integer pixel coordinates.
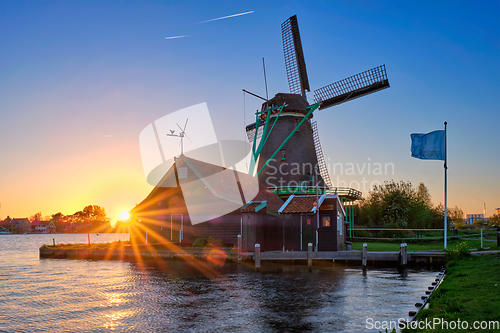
(174, 37)
(225, 17)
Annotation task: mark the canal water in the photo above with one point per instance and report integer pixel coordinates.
(48, 295)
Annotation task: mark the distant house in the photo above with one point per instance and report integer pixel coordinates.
(5, 225)
(62, 227)
(20, 225)
(51, 227)
(81, 227)
(42, 227)
(39, 227)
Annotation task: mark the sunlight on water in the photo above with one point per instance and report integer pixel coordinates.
(99, 296)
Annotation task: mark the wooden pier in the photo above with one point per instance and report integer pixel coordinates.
(356, 257)
(258, 258)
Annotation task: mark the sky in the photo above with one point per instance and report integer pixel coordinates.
(80, 80)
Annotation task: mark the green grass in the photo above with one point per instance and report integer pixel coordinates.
(470, 292)
(422, 246)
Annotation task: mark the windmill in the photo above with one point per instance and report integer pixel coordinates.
(285, 157)
(181, 135)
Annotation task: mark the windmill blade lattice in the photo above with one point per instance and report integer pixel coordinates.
(355, 86)
(294, 57)
(251, 132)
(323, 170)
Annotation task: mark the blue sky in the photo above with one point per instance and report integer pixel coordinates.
(79, 80)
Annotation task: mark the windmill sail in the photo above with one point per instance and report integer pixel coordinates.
(323, 170)
(294, 57)
(355, 86)
(250, 129)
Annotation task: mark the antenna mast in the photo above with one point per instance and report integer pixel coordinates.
(265, 77)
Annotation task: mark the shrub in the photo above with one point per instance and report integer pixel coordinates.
(392, 233)
(361, 233)
(210, 242)
(459, 252)
(200, 242)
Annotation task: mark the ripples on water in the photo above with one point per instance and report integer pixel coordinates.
(99, 296)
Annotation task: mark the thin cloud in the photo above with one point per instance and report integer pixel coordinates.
(225, 17)
(175, 37)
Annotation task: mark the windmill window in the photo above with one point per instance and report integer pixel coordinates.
(326, 221)
(182, 173)
(283, 154)
(295, 122)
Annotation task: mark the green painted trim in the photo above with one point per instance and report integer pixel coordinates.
(311, 110)
(275, 120)
(262, 205)
(265, 135)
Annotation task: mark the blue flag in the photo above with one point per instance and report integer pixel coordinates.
(428, 146)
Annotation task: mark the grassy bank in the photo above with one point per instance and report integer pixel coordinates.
(423, 245)
(470, 292)
(121, 244)
(112, 245)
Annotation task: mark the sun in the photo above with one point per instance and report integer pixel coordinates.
(124, 216)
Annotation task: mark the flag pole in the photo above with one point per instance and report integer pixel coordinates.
(445, 188)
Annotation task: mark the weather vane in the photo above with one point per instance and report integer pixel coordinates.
(181, 135)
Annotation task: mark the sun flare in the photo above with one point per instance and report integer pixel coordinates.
(124, 216)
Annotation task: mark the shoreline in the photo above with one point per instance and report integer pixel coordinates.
(469, 293)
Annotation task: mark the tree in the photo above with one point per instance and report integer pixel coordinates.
(494, 220)
(94, 215)
(57, 217)
(423, 195)
(400, 205)
(457, 216)
(397, 204)
(36, 217)
(438, 216)
(97, 216)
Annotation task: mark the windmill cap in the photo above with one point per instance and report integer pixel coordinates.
(295, 102)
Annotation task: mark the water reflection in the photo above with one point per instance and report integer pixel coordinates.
(94, 296)
(335, 299)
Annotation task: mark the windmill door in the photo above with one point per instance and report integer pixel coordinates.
(176, 227)
(307, 232)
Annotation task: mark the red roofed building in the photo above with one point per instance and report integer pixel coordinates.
(303, 225)
(39, 227)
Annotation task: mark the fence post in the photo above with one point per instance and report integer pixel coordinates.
(257, 256)
(365, 255)
(309, 256)
(498, 237)
(403, 252)
(239, 247)
(481, 238)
